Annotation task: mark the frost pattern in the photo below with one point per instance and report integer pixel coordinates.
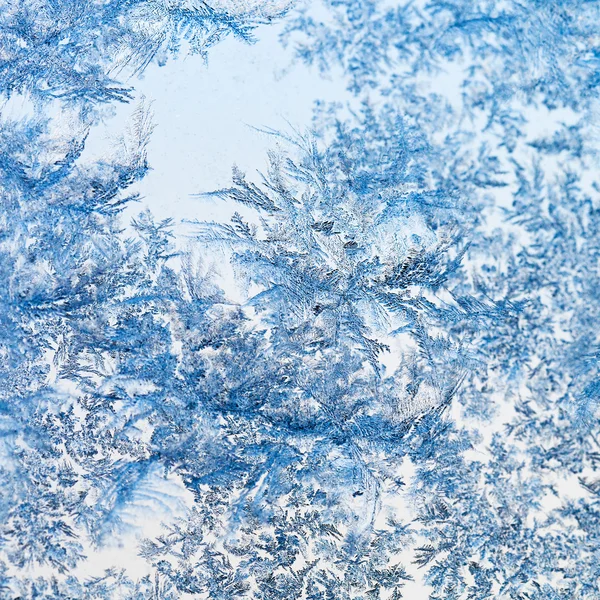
(408, 394)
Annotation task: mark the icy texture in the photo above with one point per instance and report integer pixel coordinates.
(406, 401)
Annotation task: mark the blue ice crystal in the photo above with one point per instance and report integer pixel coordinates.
(405, 402)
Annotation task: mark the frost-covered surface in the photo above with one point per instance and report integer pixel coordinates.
(399, 397)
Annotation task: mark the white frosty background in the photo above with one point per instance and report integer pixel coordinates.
(206, 115)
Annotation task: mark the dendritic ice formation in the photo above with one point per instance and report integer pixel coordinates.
(406, 401)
